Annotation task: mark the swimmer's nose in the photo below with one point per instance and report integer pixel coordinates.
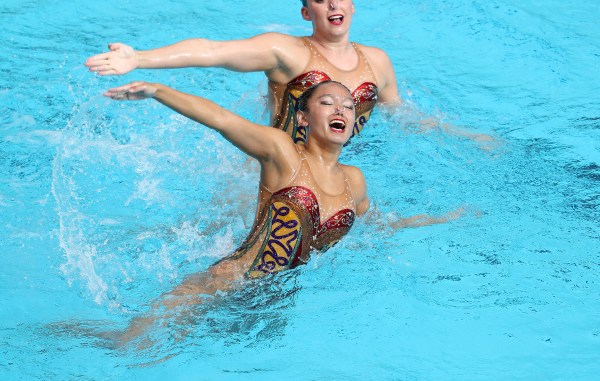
(333, 4)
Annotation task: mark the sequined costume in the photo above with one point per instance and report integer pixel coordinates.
(284, 97)
(289, 223)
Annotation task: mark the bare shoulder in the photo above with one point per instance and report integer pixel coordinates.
(383, 68)
(284, 144)
(291, 52)
(278, 38)
(351, 170)
(355, 176)
(374, 54)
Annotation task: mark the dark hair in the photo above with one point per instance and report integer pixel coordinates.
(304, 3)
(302, 104)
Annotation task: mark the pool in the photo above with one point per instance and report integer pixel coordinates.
(104, 206)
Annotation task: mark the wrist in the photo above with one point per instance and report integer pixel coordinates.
(138, 58)
(160, 90)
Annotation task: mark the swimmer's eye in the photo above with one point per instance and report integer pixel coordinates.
(349, 106)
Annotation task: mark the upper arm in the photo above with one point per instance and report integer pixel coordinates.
(385, 74)
(358, 187)
(265, 52)
(261, 142)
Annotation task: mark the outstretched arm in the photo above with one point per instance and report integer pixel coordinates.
(425, 219)
(392, 222)
(409, 117)
(261, 142)
(266, 52)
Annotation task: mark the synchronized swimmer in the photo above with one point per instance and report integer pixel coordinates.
(322, 91)
(291, 64)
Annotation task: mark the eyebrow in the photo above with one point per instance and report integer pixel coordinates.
(333, 96)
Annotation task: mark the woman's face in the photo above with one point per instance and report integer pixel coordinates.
(330, 114)
(332, 16)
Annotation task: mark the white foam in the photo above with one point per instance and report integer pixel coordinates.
(79, 253)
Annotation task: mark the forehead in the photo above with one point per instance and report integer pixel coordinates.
(307, 3)
(333, 89)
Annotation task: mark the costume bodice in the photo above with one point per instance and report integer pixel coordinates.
(360, 80)
(293, 221)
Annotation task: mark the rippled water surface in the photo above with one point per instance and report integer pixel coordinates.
(104, 206)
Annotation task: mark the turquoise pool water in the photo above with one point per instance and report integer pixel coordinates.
(103, 206)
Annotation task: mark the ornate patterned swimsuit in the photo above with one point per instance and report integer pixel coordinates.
(319, 69)
(293, 221)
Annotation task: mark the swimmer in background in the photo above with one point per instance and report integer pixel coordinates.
(307, 200)
(291, 64)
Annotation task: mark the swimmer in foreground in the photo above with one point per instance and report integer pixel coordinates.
(307, 200)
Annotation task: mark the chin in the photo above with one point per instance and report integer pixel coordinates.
(339, 140)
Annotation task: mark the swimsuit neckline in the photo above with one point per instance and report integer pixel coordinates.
(300, 77)
(358, 55)
(304, 153)
(317, 211)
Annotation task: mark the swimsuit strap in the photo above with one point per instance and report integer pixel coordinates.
(301, 153)
(317, 55)
(353, 78)
(314, 52)
(349, 189)
(362, 57)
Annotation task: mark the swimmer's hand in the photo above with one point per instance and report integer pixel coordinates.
(132, 92)
(119, 60)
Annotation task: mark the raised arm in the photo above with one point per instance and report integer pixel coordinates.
(266, 52)
(264, 143)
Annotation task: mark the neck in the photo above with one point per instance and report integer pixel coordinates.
(332, 43)
(325, 156)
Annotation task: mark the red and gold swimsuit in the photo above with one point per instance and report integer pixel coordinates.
(293, 221)
(284, 98)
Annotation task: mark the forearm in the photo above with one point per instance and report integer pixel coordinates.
(426, 220)
(257, 141)
(196, 108)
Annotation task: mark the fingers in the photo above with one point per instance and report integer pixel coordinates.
(102, 63)
(116, 95)
(132, 91)
(115, 46)
(94, 60)
(102, 68)
(122, 88)
(119, 93)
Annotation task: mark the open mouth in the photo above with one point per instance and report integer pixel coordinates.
(337, 125)
(336, 19)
